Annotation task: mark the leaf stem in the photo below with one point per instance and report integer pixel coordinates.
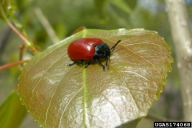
(29, 45)
(18, 33)
(16, 23)
(13, 64)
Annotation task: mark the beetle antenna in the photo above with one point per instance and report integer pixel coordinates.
(113, 47)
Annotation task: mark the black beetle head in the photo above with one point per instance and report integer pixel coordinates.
(102, 51)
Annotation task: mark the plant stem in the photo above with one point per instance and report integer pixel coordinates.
(181, 35)
(29, 45)
(16, 23)
(18, 33)
(12, 64)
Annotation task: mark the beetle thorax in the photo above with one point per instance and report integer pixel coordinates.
(102, 51)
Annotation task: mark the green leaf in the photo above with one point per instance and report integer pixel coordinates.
(60, 96)
(12, 112)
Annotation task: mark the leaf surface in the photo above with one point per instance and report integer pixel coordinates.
(61, 96)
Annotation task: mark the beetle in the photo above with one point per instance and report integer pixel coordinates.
(89, 49)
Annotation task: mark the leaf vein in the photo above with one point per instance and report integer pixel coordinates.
(45, 73)
(54, 94)
(68, 105)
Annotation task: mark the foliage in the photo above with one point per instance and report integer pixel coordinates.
(57, 95)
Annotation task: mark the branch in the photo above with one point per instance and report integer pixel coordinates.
(181, 35)
(29, 45)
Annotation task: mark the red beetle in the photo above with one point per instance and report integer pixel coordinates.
(89, 48)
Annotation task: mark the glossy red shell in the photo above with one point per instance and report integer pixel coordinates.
(83, 49)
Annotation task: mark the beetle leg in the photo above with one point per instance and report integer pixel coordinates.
(75, 62)
(100, 64)
(72, 63)
(107, 60)
(89, 63)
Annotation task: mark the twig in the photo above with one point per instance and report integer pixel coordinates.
(12, 64)
(29, 45)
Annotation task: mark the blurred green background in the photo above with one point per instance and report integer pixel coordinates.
(65, 16)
